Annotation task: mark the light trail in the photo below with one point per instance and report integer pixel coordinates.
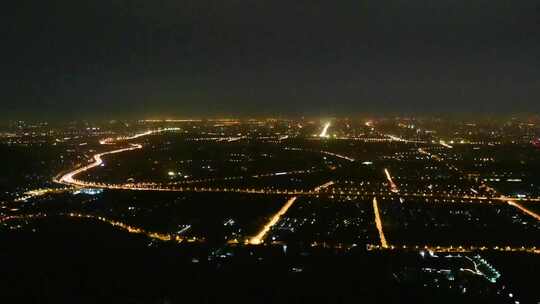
(232, 139)
(108, 141)
(458, 249)
(69, 178)
(444, 144)
(283, 137)
(123, 226)
(323, 186)
(395, 138)
(7, 218)
(241, 177)
(177, 238)
(98, 161)
(510, 202)
(525, 210)
(378, 223)
(179, 187)
(322, 152)
(393, 186)
(259, 238)
(324, 132)
(170, 120)
(338, 155)
(128, 228)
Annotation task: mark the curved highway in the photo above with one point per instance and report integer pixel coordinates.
(69, 178)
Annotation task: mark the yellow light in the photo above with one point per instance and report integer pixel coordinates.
(378, 223)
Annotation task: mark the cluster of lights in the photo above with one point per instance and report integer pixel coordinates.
(337, 155)
(40, 192)
(109, 141)
(128, 228)
(259, 238)
(456, 249)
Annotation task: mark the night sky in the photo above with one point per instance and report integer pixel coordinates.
(147, 59)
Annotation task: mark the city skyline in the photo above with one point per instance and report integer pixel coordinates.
(270, 151)
(435, 209)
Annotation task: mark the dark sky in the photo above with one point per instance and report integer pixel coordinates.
(119, 58)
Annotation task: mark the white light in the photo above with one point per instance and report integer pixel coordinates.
(325, 130)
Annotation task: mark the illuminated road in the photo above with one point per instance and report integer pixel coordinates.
(395, 138)
(175, 237)
(455, 249)
(525, 210)
(444, 144)
(378, 223)
(241, 177)
(108, 141)
(259, 238)
(323, 186)
(123, 226)
(511, 201)
(393, 186)
(345, 157)
(69, 178)
(324, 132)
(338, 155)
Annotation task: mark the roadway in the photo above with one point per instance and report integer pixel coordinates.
(259, 238)
(378, 223)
